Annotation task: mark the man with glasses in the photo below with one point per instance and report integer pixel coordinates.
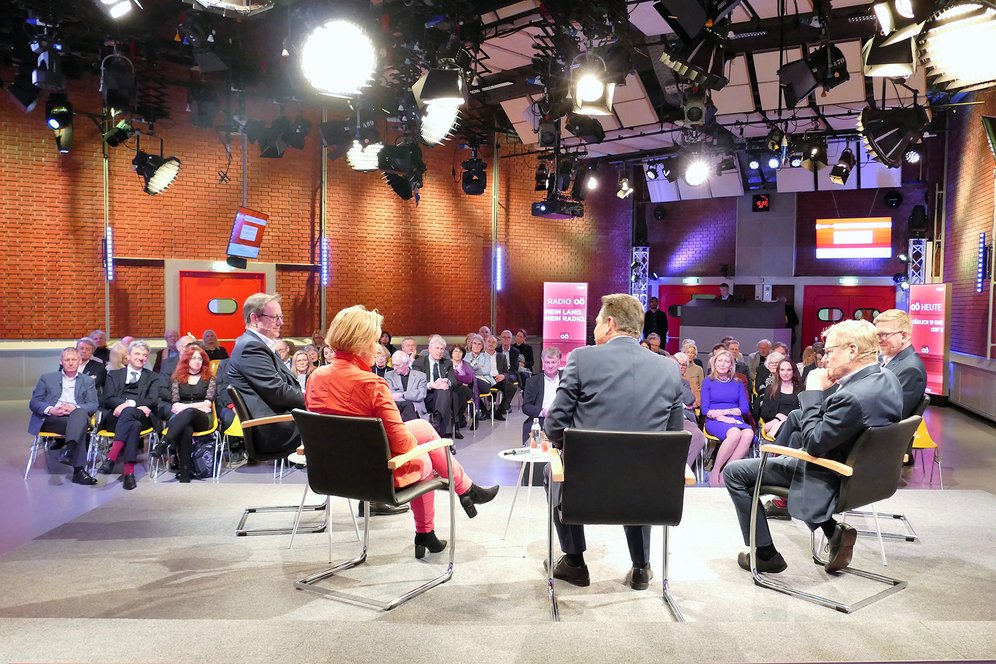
(256, 371)
(894, 331)
(824, 426)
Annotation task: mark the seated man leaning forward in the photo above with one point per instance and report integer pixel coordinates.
(613, 386)
(866, 396)
(62, 403)
(407, 386)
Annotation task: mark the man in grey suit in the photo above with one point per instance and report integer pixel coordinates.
(407, 386)
(895, 331)
(62, 402)
(613, 386)
(824, 426)
(255, 370)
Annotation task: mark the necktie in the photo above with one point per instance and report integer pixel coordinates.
(132, 377)
(435, 371)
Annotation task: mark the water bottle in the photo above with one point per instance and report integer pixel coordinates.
(535, 434)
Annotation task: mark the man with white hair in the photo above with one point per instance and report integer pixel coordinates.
(408, 387)
(440, 393)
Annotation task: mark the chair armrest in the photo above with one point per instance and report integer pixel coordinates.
(689, 476)
(835, 466)
(556, 465)
(272, 419)
(395, 462)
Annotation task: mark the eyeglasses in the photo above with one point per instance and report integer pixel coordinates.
(279, 318)
(827, 350)
(885, 335)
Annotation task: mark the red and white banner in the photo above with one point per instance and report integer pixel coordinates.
(565, 313)
(930, 314)
(869, 237)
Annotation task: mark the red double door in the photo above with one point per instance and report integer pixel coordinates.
(825, 305)
(213, 300)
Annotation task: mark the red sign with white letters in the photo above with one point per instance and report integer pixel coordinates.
(565, 313)
(930, 306)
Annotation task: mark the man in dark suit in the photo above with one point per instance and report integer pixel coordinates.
(894, 331)
(614, 386)
(131, 396)
(255, 370)
(507, 362)
(655, 321)
(62, 402)
(89, 365)
(825, 426)
(540, 391)
(440, 393)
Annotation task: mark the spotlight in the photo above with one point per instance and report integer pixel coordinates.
(695, 108)
(957, 46)
(591, 89)
(119, 133)
(697, 171)
(58, 111)
(565, 173)
(651, 171)
(892, 61)
(700, 61)
(814, 158)
(795, 160)
(903, 257)
(24, 91)
(475, 177)
(774, 140)
(158, 172)
(403, 168)
(584, 181)
(727, 163)
(913, 156)
(753, 164)
(825, 66)
(588, 129)
(64, 138)
(888, 133)
(625, 190)
(338, 136)
(117, 82)
(797, 82)
(670, 169)
(48, 75)
(273, 141)
(338, 58)
(363, 158)
(542, 176)
(774, 162)
(116, 9)
(840, 172)
(445, 86)
(439, 120)
(299, 130)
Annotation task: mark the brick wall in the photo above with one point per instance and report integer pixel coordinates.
(969, 212)
(694, 239)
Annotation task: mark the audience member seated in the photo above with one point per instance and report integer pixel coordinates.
(696, 371)
(502, 376)
(311, 350)
(740, 362)
(410, 347)
(765, 374)
(724, 404)
(215, 351)
(484, 331)
(131, 397)
(821, 363)
(440, 396)
(644, 344)
(166, 372)
(347, 387)
(301, 367)
(380, 365)
(466, 387)
(385, 341)
(507, 363)
(654, 344)
(690, 403)
(170, 352)
(327, 355)
(101, 351)
(90, 365)
(808, 358)
(780, 397)
(117, 356)
(62, 402)
(407, 387)
(540, 390)
(894, 330)
(526, 358)
(224, 407)
(318, 339)
(284, 351)
(193, 389)
(481, 363)
(756, 359)
(779, 347)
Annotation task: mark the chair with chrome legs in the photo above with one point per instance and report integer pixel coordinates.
(619, 477)
(351, 457)
(252, 452)
(871, 474)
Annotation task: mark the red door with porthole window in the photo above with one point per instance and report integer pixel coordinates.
(213, 300)
(825, 305)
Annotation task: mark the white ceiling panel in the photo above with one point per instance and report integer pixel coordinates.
(736, 71)
(632, 90)
(635, 113)
(874, 174)
(686, 192)
(509, 51)
(766, 63)
(733, 99)
(662, 191)
(727, 184)
(646, 19)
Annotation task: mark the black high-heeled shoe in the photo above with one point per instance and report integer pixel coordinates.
(477, 496)
(428, 541)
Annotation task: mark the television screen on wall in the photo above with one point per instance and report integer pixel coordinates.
(247, 233)
(866, 237)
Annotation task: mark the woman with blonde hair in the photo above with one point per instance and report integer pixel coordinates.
(117, 356)
(301, 367)
(724, 403)
(348, 387)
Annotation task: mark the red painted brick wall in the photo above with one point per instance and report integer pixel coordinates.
(969, 212)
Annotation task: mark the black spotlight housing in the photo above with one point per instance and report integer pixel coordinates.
(58, 111)
(814, 156)
(888, 133)
(845, 164)
(403, 169)
(587, 128)
(119, 133)
(542, 176)
(701, 61)
(24, 91)
(475, 177)
(157, 171)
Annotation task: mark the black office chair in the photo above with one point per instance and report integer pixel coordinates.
(351, 457)
(253, 452)
(871, 474)
(619, 477)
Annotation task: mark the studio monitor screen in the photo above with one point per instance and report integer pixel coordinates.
(247, 234)
(867, 237)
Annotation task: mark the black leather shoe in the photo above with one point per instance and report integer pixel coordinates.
(80, 476)
(106, 468)
(477, 496)
(129, 481)
(457, 435)
(500, 417)
(639, 578)
(773, 566)
(57, 443)
(382, 509)
(773, 511)
(66, 459)
(841, 547)
(428, 541)
(574, 574)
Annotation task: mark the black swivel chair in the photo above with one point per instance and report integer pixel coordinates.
(624, 478)
(253, 452)
(351, 457)
(871, 474)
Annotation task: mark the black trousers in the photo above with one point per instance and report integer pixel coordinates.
(508, 390)
(461, 394)
(572, 536)
(128, 428)
(181, 428)
(73, 426)
(440, 402)
(407, 409)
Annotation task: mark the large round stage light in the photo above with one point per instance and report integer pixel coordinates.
(338, 59)
(697, 172)
(958, 46)
(157, 171)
